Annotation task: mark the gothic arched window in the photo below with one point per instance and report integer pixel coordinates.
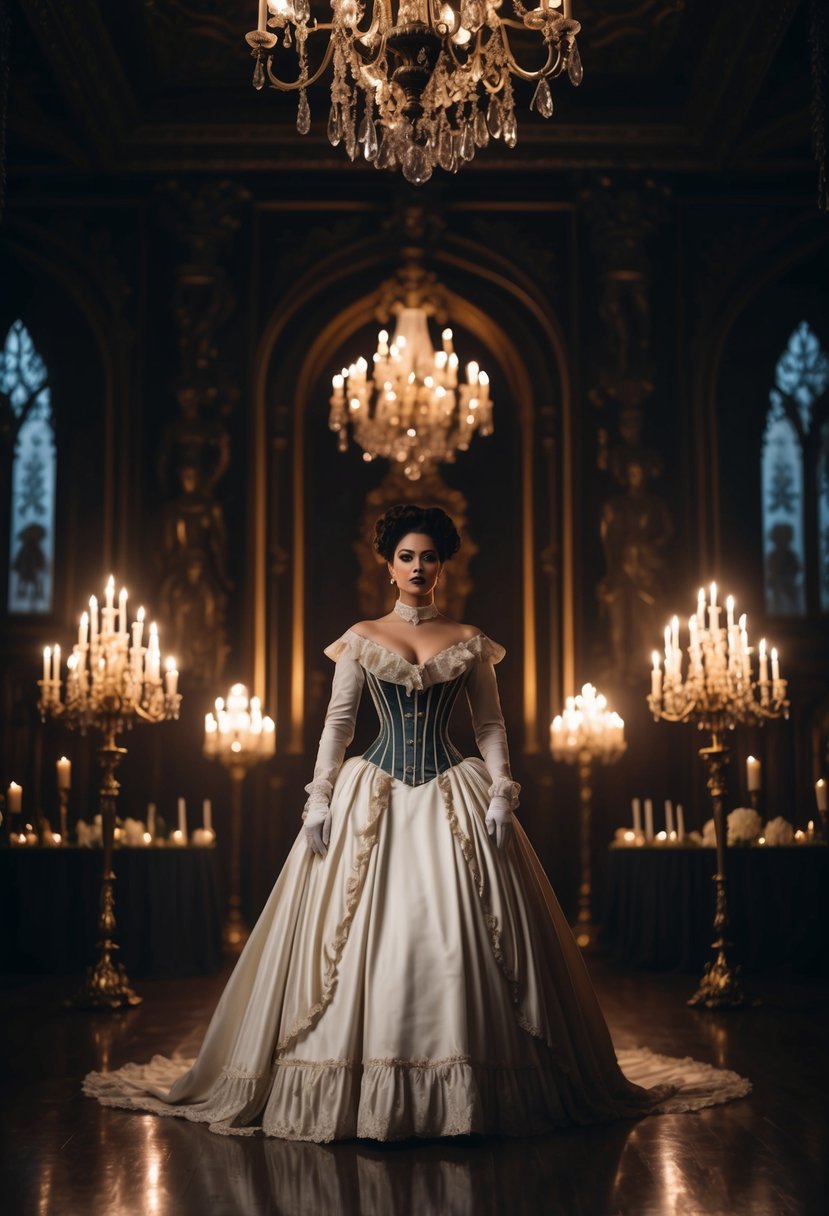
(24, 382)
(795, 480)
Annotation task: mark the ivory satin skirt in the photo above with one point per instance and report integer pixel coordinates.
(414, 982)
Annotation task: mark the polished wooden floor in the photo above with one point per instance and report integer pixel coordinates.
(768, 1155)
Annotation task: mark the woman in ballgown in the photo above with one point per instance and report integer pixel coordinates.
(411, 973)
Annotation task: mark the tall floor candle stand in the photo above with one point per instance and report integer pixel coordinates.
(587, 732)
(239, 737)
(112, 683)
(717, 691)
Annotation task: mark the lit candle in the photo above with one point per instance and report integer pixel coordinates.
(182, 817)
(109, 612)
(713, 611)
(207, 815)
(669, 816)
(680, 822)
(810, 829)
(753, 774)
(636, 807)
(138, 628)
(729, 612)
(775, 665)
(701, 607)
(47, 663)
(83, 630)
(56, 663)
(122, 611)
(93, 619)
(821, 795)
(151, 819)
(171, 677)
(764, 663)
(648, 819)
(14, 798)
(64, 771)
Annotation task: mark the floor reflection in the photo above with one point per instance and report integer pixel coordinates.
(574, 1171)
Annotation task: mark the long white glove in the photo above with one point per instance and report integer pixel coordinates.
(491, 738)
(337, 733)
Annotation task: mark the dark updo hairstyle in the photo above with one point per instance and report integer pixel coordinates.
(399, 521)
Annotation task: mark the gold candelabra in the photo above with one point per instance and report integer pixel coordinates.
(112, 682)
(717, 691)
(239, 737)
(587, 732)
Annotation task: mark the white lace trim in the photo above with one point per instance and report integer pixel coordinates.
(319, 793)
(505, 787)
(379, 801)
(389, 665)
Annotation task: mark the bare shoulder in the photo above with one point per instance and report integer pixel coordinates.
(466, 632)
(369, 629)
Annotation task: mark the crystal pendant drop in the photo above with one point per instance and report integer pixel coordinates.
(480, 130)
(417, 168)
(467, 144)
(363, 129)
(349, 137)
(510, 130)
(335, 130)
(574, 68)
(445, 150)
(542, 99)
(259, 75)
(493, 117)
(370, 148)
(303, 114)
(384, 156)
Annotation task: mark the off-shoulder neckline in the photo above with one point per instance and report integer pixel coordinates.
(397, 655)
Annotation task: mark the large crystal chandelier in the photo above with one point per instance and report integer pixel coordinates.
(411, 408)
(436, 80)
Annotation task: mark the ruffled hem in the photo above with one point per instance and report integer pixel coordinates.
(403, 1099)
(388, 665)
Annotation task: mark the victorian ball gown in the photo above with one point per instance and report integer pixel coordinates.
(416, 980)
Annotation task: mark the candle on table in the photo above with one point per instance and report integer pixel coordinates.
(753, 774)
(680, 822)
(810, 829)
(648, 819)
(182, 817)
(821, 795)
(207, 815)
(636, 807)
(14, 798)
(64, 771)
(669, 816)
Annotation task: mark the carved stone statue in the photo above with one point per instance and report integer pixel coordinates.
(635, 530)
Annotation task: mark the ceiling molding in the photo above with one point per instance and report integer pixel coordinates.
(730, 75)
(78, 52)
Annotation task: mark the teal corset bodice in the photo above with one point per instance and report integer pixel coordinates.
(413, 744)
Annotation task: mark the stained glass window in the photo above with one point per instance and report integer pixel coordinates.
(24, 382)
(789, 445)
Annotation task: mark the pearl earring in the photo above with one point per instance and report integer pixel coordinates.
(391, 581)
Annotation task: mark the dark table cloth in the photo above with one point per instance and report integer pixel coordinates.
(167, 907)
(660, 907)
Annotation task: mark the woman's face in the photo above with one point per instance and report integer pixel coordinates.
(416, 564)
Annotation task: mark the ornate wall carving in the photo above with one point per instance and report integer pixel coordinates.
(635, 523)
(195, 448)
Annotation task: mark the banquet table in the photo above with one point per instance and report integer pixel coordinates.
(659, 907)
(167, 907)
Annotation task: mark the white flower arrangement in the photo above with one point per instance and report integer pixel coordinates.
(779, 831)
(89, 834)
(744, 825)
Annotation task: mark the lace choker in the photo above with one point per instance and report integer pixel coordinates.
(415, 615)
